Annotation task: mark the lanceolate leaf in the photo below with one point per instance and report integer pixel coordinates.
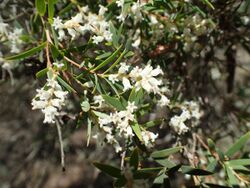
(238, 145)
(244, 162)
(51, 9)
(108, 169)
(27, 53)
(136, 128)
(116, 103)
(165, 153)
(134, 159)
(41, 6)
(108, 60)
(195, 171)
(41, 73)
(65, 84)
(231, 177)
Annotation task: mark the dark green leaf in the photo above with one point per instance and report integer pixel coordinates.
(134, 159)
(121, 182)
(110, 170)
(65, 84)
(195, 171)
(27, 53)
(108, 60)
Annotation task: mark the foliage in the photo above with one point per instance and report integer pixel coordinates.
(122, 61)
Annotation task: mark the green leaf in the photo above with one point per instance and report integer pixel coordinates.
(42, 73)
(195, 171)
(134, 158)
(102, 56)
(108, 60)
(165, 153)
(85, 106)
(65, 84)
(112, 86)
(136, 96)
(120, 182)
(51, 9)
(116, 62)
(27, 53)
(160, 177)
(137, 130)
(115, 36)
(232, 180)
(146, 173)
(238, 145)
(244, 162)
(110, 170)
(166, 163)
(116, 103)
(100, 114)
(207, 2)
(40, 6)
(152, 123)
(212, 165)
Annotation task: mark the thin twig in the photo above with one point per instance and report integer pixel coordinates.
(61, 144)
(123, 159)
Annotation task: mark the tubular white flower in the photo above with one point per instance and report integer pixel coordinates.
(50, 99)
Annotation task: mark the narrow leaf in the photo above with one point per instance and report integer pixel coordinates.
(65, 84)
(195, 171)
(40, 6)
(110, 170)
(108, 60)
(27, 53)
(113, 102)
(165, 153)
(238, 145)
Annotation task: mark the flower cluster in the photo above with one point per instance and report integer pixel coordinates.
(117, 126)
(190, 111)
(195, 26)
(83, 22)
(145, 78)
(13, 37)
(50, 99)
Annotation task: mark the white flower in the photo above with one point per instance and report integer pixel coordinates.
(49, 99)
(131, 107)
(97, 39)
(102, 10)
(57, 23)
(123, 68)
(3, 27)
(178, 125)
(120, 3)
(145, 78)
(126, 84)
(59, 65)
(98, 99)
(148, 138)
(164, 101)
(113, 78)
